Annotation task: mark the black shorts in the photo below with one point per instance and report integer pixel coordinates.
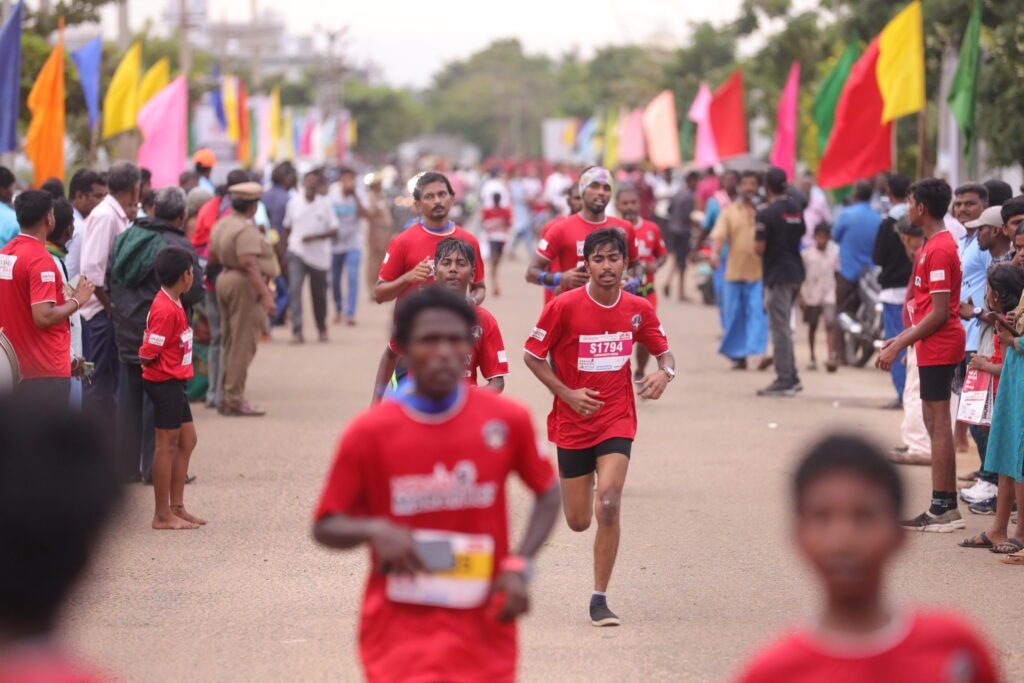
(170, 403)
(497, 247)
(579, 462)
(681, 249)
(936, 381)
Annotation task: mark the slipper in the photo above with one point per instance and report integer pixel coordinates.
(980, 541)
(1013, 558)
(910, 458)
(1007, 547)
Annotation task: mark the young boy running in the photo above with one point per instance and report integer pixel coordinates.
(496, 222)
(420, 480)
(455, 265)
(166, 356)
(848, 499)
(589, 332)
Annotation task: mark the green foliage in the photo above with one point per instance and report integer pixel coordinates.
(74, 12)
(386, 116)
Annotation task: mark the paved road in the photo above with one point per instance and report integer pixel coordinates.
(705, 570)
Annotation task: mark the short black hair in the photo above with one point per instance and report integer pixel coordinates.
(281, 172)
(898, 185)
(934, 194)
(1007, 281)
(1012, 207)
(430, 298)
(345, 170)
(600, 238)
(775, 180)
(64, 218)
(972, 188)
(82, 182)
(6, 177)
(145, 175)
(999, 191)
(428, 179)
(122, 177)
(170, 264)
(237, 176)
(55, 464)
(730, 171)
(849, 454)
(862, 190)
(823, 227)
(453, 244)
(32, 206)
(187, 177)
(750, 174)
(694, 177)
(55, 186)
(241, 205)
(626, 188)
(148, 198)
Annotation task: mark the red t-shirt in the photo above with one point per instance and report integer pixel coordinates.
(923, 648)
(43, 663)
(496, 222)
(937, 269)
(28, 276)
(564, 241)
(554, 266)
(409, 247)
(591, 346)
(168, 339)
(650, 247)
(445, 474)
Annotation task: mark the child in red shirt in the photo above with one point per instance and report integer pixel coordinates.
(848, 499)
(497, 223)
(166, 356)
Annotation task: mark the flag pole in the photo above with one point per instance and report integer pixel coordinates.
(922, 140)
(895, 146)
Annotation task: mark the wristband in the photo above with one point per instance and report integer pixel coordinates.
(556, 279)
(518, 564)
(540, 280)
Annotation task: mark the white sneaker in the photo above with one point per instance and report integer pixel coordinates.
(982, 490)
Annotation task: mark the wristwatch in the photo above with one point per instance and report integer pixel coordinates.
(978, 310)
(518, 565)
(670, 372)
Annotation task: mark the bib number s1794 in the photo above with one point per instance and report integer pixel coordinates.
(604, 352)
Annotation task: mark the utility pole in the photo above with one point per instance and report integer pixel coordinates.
(123, 30)
(184, 49)
(257, 66)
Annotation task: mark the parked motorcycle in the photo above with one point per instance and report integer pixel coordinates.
(863, 333)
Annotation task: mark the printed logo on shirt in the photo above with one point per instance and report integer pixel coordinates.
(442, 489)
(502, 356)
(156, 339)
(495, 433)
(937, 276)
(579, 248)
(186, 346)
(538, 334)
(7, 262)
(477, 332)
(542, 245)
(47, 276)
(387, 255)
(917, 281)
(635, 321)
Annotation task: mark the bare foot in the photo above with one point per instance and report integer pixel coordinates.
(172, 522)
(180, 511)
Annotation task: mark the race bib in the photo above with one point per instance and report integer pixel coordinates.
(465, 586)
(186, 347)
(7, 262)
(604, 352)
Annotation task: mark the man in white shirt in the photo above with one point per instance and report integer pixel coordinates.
(310, 225)
(86, 190)
(108, 220)
(555, 188)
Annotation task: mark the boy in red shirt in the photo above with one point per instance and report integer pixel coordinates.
(444, 591)
(589, 333)
(496, 222)
(848, 500)
(939, 341)
(455, 265)
(166, 357)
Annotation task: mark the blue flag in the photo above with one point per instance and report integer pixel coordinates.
(217, 100)
(10, 79)
(87, 60)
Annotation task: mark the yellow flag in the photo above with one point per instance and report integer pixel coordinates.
(900, 68)
(44, 143)
(229, 96)
(156, 79)
(611, 140)
(353, 133)
(275, 123)
(289, 135)
(121, 103)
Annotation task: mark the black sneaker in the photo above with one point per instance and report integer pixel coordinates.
(945, 523)
(985, 507)
(600, 615)
(780, 388)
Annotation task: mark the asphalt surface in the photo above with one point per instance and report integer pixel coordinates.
(706, 569)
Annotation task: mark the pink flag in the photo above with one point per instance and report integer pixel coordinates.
(163, 122)
(306, 144)
(264, 136)
(784, 149)
(631, 138)
(705, 150)
(662, 131)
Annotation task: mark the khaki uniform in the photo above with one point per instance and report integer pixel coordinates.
(242, 315)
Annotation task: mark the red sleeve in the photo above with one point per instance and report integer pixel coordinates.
(392, 267)
(159, 331)
(345, 489)
(631, 244)
(478, 272)
(659, 245)
(541, 339)
(651, 333)
(492, 358)
(532, 462)
(939, 271)
(43, 281)
(548, 245)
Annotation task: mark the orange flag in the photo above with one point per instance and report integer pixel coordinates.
(244, 144)
(44, 143)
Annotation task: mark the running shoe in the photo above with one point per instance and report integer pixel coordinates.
(779, 388)
(982, 490)
(600, 615)
(985, 507)
(945, 523)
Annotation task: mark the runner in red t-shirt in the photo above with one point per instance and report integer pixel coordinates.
(444, 591)
(455, 263)
(939, 341)
(652, 252)
(33, 310)
(589, 332)
(572, 198)
(408, 262)
(496, 222)
(563, 244)
(166, 357)
(848, 500)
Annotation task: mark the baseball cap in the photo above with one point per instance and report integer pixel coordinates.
(205, 157)
(992, 216)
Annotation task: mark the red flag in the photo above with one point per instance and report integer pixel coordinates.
(729, 117)
(244, 152)
(860, 144)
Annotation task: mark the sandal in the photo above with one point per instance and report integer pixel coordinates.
(1008, 547)
(980, 541)
(1013, 558)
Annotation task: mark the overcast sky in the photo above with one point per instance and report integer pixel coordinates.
(410, 39)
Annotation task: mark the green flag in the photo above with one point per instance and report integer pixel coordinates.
(823, 110)
(963, 89)
(687, 134)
